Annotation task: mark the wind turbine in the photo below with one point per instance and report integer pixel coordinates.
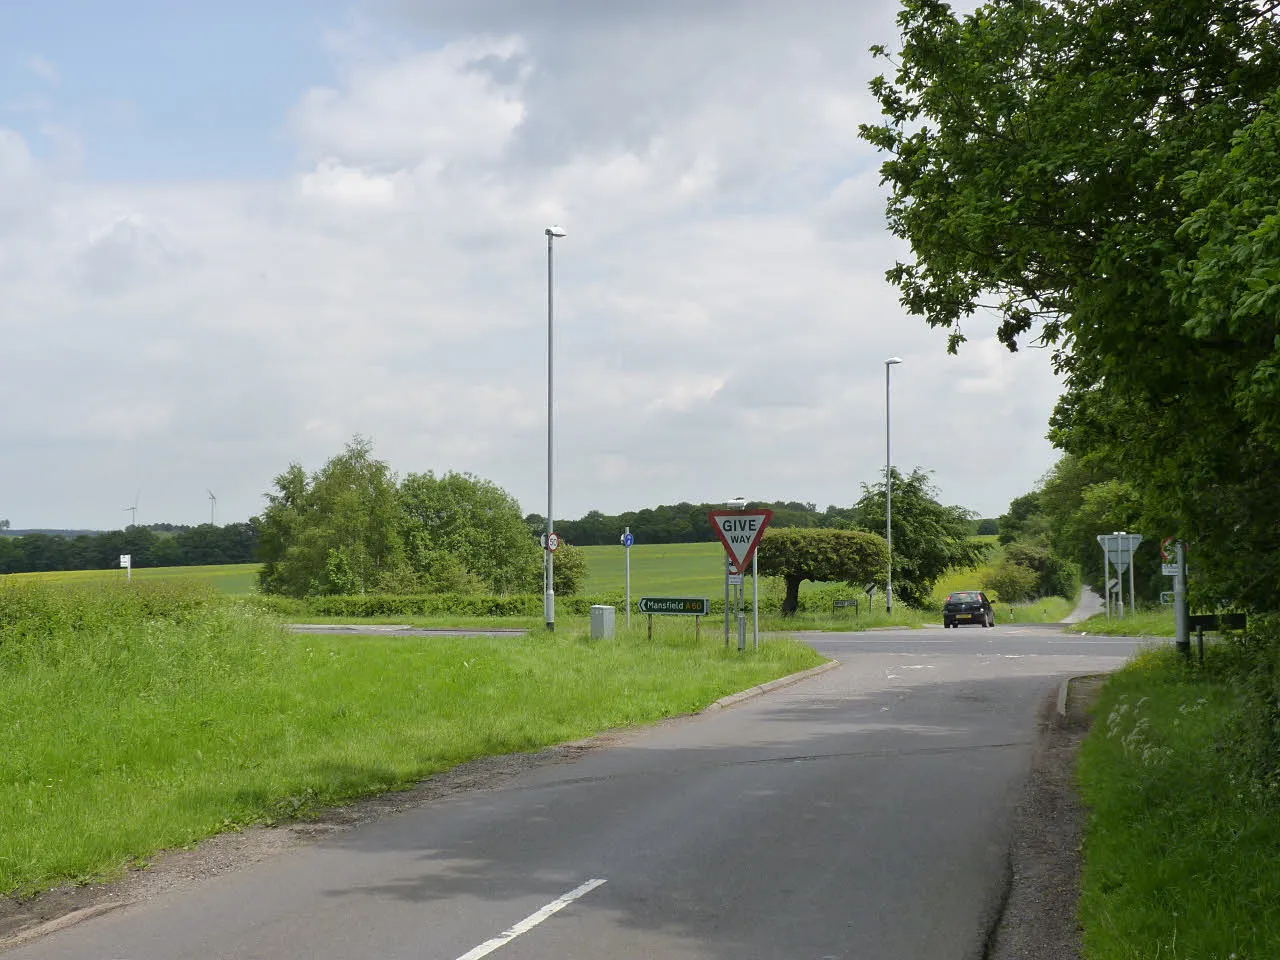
(213, 506)
(133, 520)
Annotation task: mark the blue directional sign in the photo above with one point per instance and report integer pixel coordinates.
(628, 539)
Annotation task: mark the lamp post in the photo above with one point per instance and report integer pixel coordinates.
(888, 488)
(549, 595)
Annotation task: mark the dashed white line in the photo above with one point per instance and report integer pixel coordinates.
(531, 921)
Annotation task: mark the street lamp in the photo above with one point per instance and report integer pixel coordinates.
(888, 488)
(549, 595)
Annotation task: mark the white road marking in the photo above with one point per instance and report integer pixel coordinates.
(817, 639)
(531, 921)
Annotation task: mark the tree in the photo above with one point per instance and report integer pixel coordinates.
(1101, 174)
(1011, 582)
(4, 524)
(569, 570)
(799, 554)
(1024, 519)
(335, 531)
(459, 519)
(928, 538)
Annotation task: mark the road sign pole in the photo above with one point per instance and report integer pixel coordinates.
(1182, 636)
(1119, 591)
(728, 610)
(755, 604)
(626, 540)
(742, 618)
(1132, 608)
(1106, 580)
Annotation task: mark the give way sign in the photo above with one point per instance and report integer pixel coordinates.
(740, 532)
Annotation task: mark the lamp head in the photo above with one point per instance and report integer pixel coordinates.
(737, 503)
(555, 230)
(892, 360)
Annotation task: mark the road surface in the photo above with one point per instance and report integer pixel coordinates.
(863, 813)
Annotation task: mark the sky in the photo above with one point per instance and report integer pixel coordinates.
(233, 235)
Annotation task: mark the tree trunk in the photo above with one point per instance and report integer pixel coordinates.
(791, 602)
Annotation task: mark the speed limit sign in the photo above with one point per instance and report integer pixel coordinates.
(553, 541)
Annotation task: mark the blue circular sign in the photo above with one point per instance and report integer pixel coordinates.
(628, 539)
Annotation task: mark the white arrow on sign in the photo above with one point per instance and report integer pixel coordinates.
(740, 532)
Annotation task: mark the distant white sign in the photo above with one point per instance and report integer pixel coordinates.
(126, 560)
(1169, 569)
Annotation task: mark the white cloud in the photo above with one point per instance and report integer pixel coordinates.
(721, 313)
(43, 69)
(433, 108)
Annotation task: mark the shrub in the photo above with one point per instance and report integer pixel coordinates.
(1011, 582)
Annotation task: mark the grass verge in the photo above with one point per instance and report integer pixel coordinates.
(1180, 851)
(1145, 623)
(137, 719)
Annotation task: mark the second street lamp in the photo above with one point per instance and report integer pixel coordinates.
(888, 489)
(549, 588)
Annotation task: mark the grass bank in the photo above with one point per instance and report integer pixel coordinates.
(1144, 623)
(137, 719)
(1180, 856)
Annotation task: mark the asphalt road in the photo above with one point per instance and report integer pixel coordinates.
(863, 813)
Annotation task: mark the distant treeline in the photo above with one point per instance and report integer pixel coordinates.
(687, 522)
(163, 545)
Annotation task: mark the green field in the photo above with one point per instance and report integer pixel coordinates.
(231, 578)
(658, 569)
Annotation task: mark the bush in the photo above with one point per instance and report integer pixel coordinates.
(1252, 663)
(1060, 578)
(569, 570)
(1011, 582)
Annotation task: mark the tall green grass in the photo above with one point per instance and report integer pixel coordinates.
(1144, 623)
(138, 718)
(1181, 774)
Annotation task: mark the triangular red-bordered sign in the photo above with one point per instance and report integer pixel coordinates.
(740, 532)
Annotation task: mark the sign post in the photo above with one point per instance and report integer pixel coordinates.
(696, 607)
(627, 541)
(126, 561)
(1181, 630)
(740, 531)
(1117, 550)
(755, 605)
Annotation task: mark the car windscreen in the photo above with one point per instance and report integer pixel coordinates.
(963, 596)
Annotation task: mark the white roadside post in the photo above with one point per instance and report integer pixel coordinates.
(126, 561)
